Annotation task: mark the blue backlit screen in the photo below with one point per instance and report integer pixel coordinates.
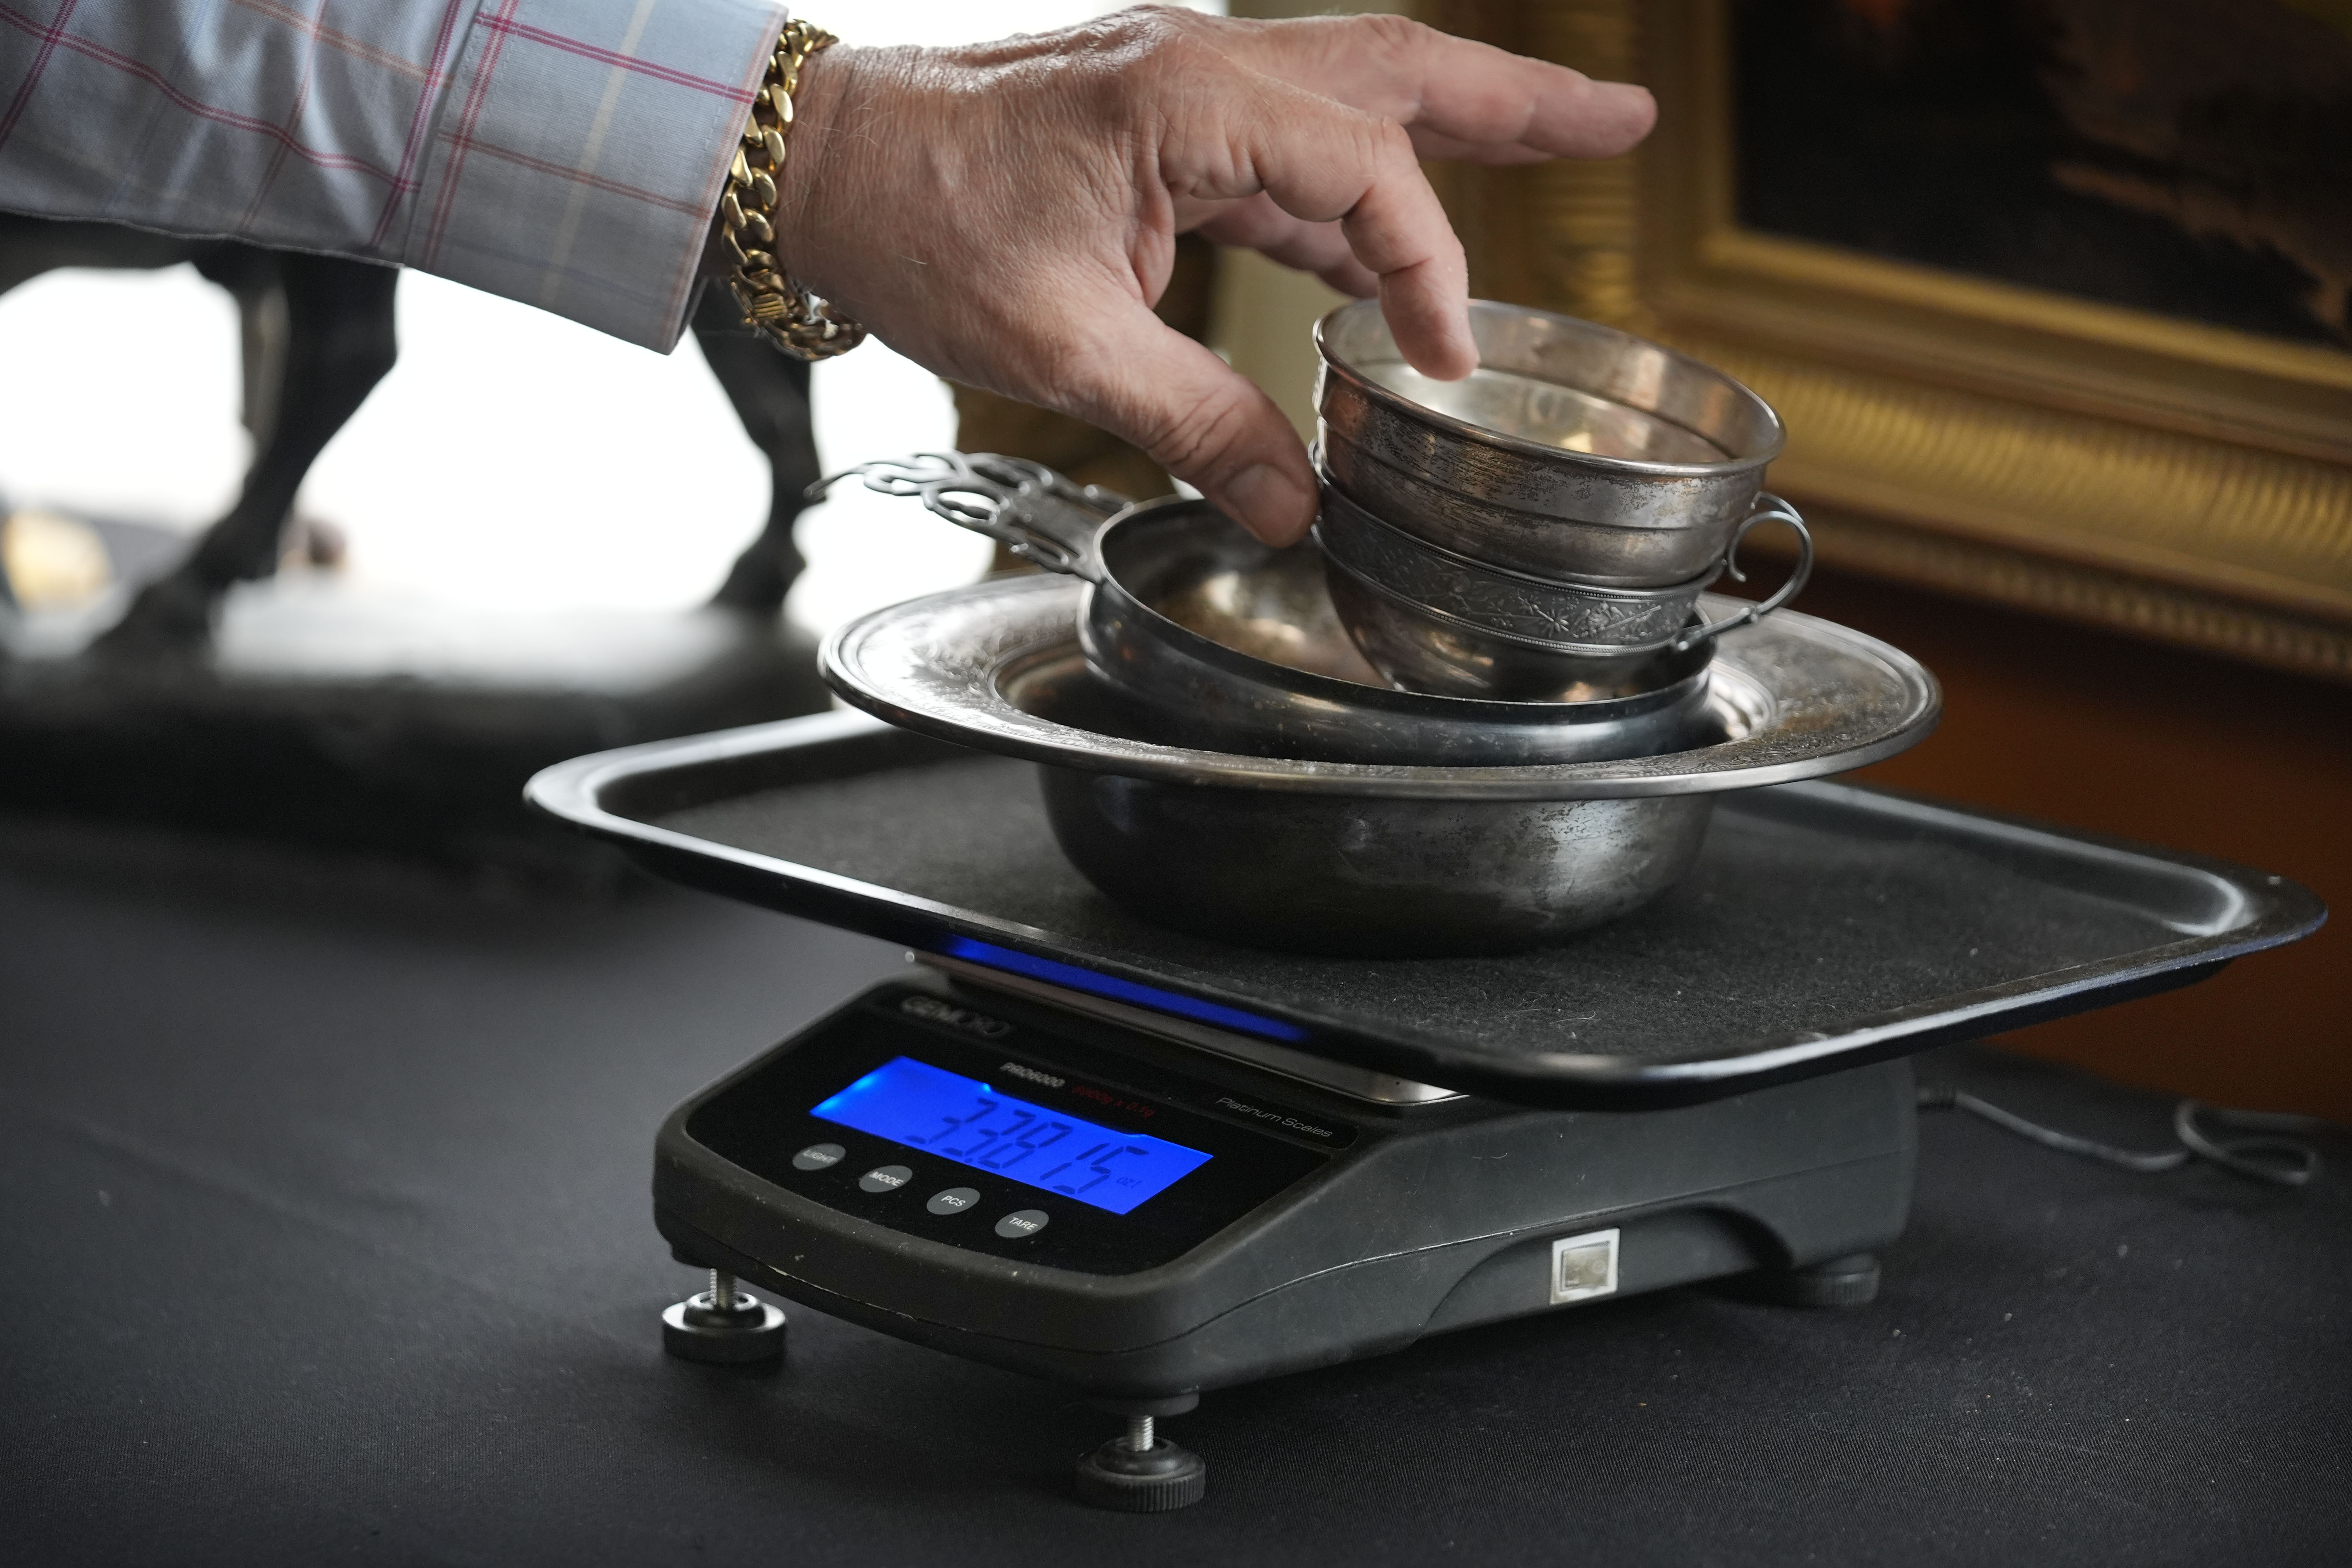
(965, 1120)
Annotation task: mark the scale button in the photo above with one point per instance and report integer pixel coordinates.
(885, 1178)
(954, 1200)
(1022, 1223)
(817, 1156)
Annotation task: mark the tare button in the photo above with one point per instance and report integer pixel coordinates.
(1022, 1223)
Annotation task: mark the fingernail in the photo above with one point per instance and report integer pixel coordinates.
(1634, 101)
(1270, 503)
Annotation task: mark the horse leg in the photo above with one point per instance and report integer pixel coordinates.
(32, 246)
(339, 342)
(770, 391)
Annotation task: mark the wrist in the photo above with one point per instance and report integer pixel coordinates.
(799, 204)
(753, 214)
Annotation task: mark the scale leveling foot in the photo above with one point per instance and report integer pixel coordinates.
(725, 1324)
(1142, 1472)
(1848, 1282)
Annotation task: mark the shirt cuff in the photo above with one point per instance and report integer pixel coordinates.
(579, 151)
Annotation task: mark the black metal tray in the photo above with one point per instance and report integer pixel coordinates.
(1825, 925)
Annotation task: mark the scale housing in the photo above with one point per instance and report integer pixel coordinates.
(1337, 1227)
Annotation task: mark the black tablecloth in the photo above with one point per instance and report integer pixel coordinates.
(326, 1237)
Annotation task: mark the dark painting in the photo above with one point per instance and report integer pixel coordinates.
(2188, 157)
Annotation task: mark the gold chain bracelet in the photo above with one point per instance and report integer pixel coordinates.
(783, 311)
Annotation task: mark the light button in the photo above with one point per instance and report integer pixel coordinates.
(954, 1200)
(817, 1157)
(1022, 1223)
(884, 1179)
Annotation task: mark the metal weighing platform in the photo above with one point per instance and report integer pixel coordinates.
(1146, 1165)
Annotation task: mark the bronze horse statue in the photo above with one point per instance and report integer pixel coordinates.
(317, 334)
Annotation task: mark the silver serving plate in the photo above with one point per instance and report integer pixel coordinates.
(1798, 697)
(1364, 857)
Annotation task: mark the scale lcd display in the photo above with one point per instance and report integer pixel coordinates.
(965, 1120)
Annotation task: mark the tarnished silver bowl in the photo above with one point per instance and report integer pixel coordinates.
(1404, 876)
(1563, 419)
(1435, 621)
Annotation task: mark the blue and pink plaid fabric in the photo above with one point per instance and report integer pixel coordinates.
(567, 153)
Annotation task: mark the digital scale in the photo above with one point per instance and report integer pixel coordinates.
(1145, 1166)
(1016, 1182)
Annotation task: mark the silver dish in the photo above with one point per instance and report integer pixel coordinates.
(1563, 419)
(1364, 857)
(1438, 622)
(1232, 645)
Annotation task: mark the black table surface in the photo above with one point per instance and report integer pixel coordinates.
(323, 1193)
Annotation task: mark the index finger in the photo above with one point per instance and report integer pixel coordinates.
(1321, 161)
(1458, 97)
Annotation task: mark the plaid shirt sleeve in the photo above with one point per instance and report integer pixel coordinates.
(567, 153)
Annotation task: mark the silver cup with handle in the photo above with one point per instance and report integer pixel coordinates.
(1582, 477)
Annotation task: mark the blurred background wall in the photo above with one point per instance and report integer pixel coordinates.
(2162, 651)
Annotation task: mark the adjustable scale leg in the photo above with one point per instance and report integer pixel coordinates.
(725, 1323)
(1142, 1472)
(1848, 1282)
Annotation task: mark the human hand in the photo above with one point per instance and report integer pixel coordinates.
(1006, 214)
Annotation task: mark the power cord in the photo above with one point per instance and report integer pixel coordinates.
(2268, 1155)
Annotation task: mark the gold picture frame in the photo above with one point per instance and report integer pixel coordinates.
(2178, 481)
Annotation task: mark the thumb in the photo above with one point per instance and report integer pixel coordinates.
(1197, 417)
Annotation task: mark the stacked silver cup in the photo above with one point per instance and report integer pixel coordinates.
(1541, 531)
